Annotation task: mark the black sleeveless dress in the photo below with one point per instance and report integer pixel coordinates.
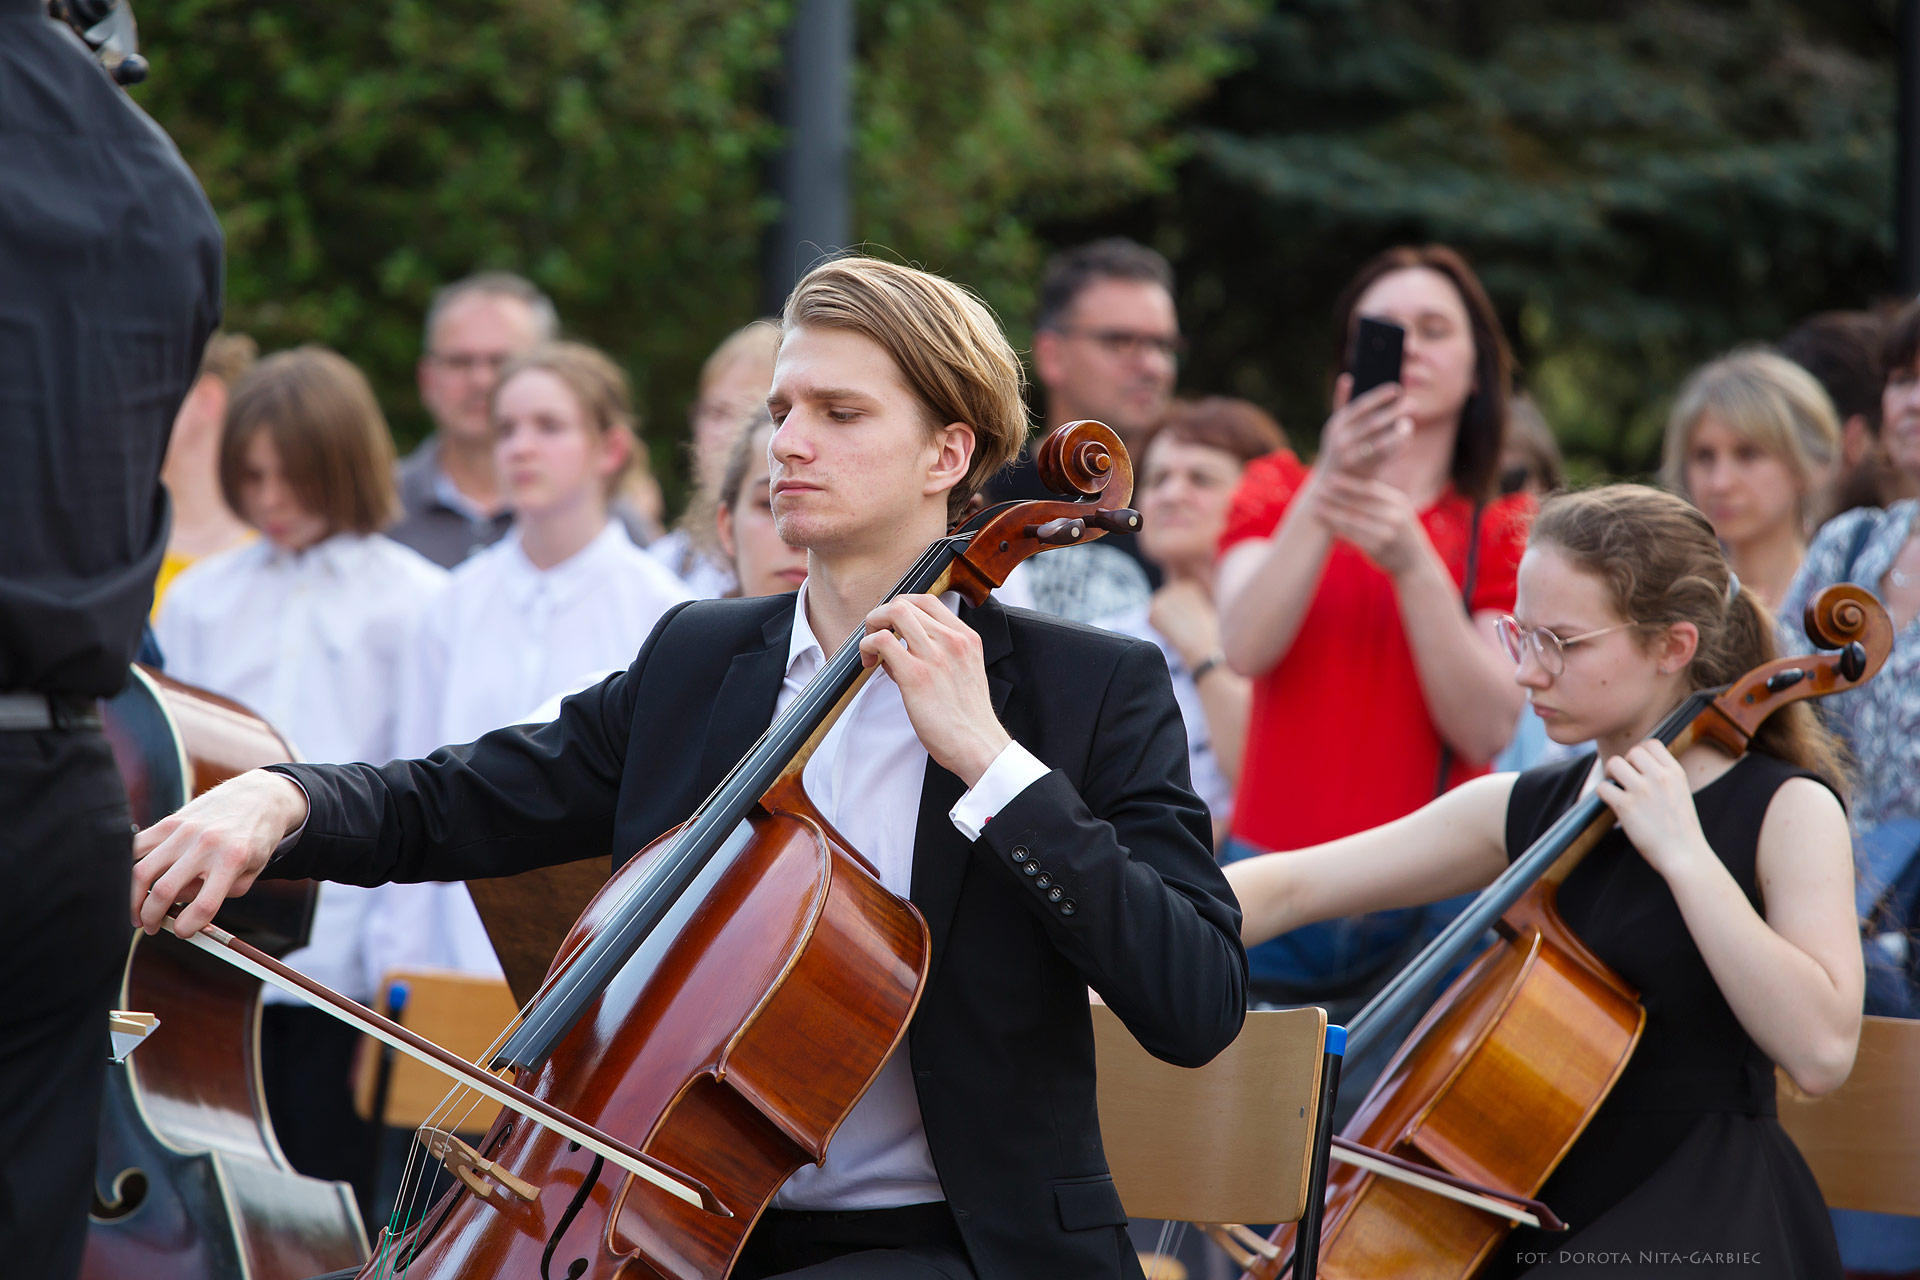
(1684, 1171)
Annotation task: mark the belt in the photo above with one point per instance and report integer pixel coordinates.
(38, 712)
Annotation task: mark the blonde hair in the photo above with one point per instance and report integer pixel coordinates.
(1661, 563)
(1764, 397)
(327, 428)
(943, 339)
(753, 343)
(598, 385)
(228, 356)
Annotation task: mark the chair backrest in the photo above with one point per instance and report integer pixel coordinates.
(1863, 1139)
(457, 1011)
(1227, 1142)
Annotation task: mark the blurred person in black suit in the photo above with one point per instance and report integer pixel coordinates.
(110, 263)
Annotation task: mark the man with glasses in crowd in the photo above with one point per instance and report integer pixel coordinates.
(447, 485)
(1106, 346)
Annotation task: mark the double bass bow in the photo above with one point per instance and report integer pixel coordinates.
(1502, 1074)
(727, 997)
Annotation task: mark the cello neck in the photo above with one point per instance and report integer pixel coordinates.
(1551, 857)
(781, 751)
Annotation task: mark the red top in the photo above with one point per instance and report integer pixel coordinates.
(1339, 739)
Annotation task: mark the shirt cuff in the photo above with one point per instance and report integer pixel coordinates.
(292, 837)
(1012, 771)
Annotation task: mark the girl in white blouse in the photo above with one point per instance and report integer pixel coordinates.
(562, 601)
(309, 626)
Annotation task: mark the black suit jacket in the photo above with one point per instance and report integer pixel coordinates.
(1002, 1043)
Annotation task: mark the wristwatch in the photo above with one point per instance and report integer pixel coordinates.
(1208, 663)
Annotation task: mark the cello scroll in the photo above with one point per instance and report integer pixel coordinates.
(1853, 629)
(1085, 462)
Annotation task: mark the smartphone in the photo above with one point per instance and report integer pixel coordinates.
(1375, 357)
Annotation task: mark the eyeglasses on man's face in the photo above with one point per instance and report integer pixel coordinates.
(1129, 344)
(1550, 650)
(466, 363)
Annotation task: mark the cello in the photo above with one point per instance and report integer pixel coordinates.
(1502, 1074)
(189, 1181)
(726, 999)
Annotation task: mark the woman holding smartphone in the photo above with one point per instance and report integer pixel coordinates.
(1360, 595)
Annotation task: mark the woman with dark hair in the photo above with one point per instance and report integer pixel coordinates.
(1360, 594)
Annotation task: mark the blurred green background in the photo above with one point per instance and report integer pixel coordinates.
(1642, 185)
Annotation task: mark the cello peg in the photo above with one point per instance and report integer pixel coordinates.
(1063, 532)
(1117, 520)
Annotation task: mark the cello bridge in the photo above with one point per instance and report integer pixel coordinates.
(477, 1173)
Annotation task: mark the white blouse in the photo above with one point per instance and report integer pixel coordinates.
(315, 642)
(504, 638)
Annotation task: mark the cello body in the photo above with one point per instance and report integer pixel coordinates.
(1494, 1085)
(189, 1181)
(734, 1042)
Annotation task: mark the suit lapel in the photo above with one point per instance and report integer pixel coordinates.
(940, 852)
(743, 708)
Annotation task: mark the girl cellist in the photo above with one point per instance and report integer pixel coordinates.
(1724, 895)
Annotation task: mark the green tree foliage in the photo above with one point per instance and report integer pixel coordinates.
(361, 154)
(1641, 184)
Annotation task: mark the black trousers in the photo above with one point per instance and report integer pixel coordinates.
(914, 1242)
(66, 857)
(306, 1067)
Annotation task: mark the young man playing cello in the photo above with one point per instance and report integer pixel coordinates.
(977, 1151)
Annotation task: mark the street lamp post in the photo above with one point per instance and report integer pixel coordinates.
(816, 110)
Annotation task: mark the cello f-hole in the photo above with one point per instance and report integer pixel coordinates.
(128, 1193)
(578, 1266)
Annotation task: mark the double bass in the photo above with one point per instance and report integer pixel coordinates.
(726, 998)
(189, 1181)
(1502, 1074)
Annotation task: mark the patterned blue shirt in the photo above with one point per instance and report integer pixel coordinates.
(1881, 719)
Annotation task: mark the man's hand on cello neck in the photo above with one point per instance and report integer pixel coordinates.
(212, 849)
(936, 660)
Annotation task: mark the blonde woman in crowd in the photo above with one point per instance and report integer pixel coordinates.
(309, 625)
(1752, 441)
(733, 384)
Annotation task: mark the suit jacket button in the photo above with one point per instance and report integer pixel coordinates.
(1043, 880)
(1066, 908)
(1018, 853)
(1055, 894)
(1031, 868)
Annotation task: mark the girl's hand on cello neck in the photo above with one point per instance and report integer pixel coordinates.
(1651, 795)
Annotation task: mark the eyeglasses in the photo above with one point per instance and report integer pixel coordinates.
(1129, 343)
(466, 362)
(1516, 637)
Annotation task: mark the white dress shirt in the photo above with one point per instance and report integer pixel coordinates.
(866, 779)
(313, 641)
(502, 639)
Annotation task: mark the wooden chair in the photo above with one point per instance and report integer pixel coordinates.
(458, 1012)
(1230, 1142)
(1863, 1139)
